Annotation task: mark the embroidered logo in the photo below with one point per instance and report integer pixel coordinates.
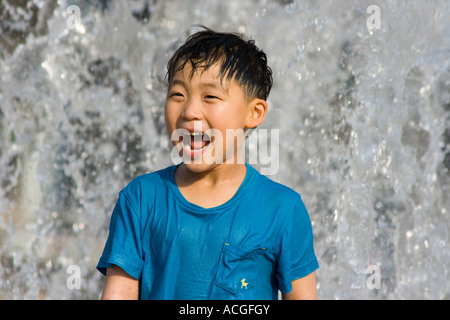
(244, 284)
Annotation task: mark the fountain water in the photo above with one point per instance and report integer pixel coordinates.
(361, 98)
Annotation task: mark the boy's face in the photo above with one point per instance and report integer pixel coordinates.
(199, 111)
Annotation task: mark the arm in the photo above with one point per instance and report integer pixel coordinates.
(303, 289)
(120, 285)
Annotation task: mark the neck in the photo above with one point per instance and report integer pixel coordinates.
(212, 177)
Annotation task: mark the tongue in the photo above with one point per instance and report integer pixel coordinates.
(197, 143)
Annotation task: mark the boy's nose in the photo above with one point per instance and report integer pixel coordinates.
(192, 110)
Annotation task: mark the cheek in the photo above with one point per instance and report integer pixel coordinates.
(170, 116)
(170, 120)
(231, 116)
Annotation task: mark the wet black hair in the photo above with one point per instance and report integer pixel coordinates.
(238, 56)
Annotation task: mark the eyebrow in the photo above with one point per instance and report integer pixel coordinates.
(177, 82)
(213, 85)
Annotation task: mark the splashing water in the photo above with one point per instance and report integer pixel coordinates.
(363, 113)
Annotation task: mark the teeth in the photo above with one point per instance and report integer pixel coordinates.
(204, 136)
(188, 147)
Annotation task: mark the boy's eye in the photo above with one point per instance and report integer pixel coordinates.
(176, 94)
(211, 97)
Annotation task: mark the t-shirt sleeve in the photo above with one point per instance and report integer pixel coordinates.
(297, 258)
(123, 247)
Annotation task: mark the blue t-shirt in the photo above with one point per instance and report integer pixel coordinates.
(247, 248)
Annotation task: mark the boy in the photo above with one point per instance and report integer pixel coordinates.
(211, 227)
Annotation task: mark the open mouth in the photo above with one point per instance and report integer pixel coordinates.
(194, 143)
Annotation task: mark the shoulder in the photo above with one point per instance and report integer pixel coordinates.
(147, 184)
(275, 190)
(277, 201)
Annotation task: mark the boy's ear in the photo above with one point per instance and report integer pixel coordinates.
(257, 114)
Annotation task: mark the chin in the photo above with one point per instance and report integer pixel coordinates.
(199, 167)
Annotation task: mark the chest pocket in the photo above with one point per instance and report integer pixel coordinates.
(238, 268)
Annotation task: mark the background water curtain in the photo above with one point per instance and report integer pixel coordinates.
(361, 98)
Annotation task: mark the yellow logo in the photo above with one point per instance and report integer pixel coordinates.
(244, 284)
